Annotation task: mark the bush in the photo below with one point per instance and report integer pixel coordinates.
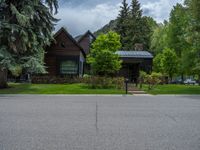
(153, 79)
(104, 82)
(54, 80)
(142, 77)
(94, 82)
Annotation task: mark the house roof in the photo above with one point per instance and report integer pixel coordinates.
(70, 37)
(80, 37)
(134, 54)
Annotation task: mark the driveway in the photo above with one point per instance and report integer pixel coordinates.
(99, 122)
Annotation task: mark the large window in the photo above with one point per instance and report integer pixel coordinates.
(68, 67)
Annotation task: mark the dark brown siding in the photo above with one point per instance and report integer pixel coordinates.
(51, 65)
(63, 47)
(85, 44)
(69, 49)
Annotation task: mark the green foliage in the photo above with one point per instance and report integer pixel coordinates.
(96, 82)
(132, 26)
(157, 63)
(166, 62)
(45, 79)
(122, 27)
(142, 77)
(177, 25)
(169, 62)
(193, 30)
(159, 39)
(103, 57)
(25, 29)
(153, 79)
(135, 24)
(182, 34)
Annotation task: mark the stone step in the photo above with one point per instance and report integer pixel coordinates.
(137, 92)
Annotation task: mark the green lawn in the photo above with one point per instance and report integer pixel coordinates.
(173, 89)
(56, 89)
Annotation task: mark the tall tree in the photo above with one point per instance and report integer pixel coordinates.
(135, 24)
(193, 35)
(26, 27)
(159, 38)
(148, 27)
(103, 58)
(122, 27)
(169, 62)
(178, 23)
(157, 63)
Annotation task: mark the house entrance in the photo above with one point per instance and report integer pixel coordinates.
(130, 71)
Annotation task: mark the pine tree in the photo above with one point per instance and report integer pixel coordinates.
(26, 27)
(135, 25)
(122, 27)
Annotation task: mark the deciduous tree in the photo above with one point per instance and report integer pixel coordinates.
(169, 62)
(103, 58)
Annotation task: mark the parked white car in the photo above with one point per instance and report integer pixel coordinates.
(190, 81)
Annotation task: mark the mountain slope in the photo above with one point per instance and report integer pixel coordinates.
(109, 27)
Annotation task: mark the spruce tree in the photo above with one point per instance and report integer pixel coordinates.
(135, 25)
(25, 28)
(122, 27)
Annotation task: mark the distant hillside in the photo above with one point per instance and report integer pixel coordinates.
(110, 26)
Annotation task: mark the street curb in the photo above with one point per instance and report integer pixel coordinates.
(67, 95)
(99, 95)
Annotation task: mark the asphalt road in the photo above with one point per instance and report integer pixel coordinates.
(99, 123)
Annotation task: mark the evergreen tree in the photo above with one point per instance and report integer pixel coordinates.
(135, 25)
(122, 27)
(26, 27)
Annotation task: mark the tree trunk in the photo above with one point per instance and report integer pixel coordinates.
(3, 78)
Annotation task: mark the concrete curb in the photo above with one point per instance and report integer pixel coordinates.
(99, 95)
(66, 95)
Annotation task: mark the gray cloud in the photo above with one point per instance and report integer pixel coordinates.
(79, 16)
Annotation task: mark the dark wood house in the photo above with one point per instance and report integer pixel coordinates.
(64, 56)
(67, 56)
(133, 62)
(85, 41)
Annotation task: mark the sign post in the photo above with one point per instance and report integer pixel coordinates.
(126, 85)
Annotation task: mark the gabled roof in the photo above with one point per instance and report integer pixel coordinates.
(70, 37)
(134, 54)
(80, 37)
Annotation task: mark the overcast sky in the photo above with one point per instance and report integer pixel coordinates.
(78, 16)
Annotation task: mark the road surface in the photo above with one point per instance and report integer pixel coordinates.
(30, 122)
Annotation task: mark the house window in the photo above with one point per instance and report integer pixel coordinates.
(80, 68)
(68, 67)
(62, 44)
